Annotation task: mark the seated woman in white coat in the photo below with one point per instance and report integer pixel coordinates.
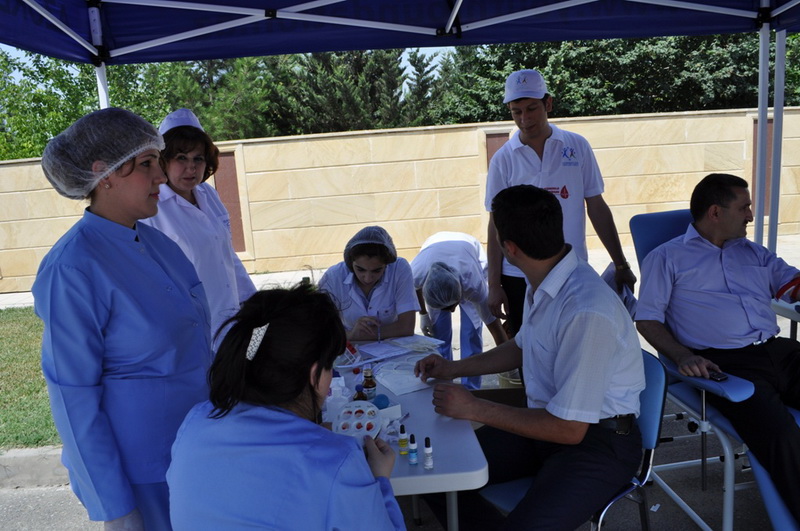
(255, 455)
(191, 214)
(373, 288)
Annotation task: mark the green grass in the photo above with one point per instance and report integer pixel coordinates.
(25, 420)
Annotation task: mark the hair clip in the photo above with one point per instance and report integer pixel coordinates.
(255, 341)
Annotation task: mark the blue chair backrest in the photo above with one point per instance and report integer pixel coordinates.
(652, 229)
(651, 400)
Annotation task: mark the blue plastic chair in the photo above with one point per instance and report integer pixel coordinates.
(648, 232)
(506, 496)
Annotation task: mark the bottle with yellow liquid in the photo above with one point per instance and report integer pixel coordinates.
(402, 440)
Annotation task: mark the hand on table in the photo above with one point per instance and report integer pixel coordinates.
(434, 366)
(453, 400)
(380, 456)
(130, 522)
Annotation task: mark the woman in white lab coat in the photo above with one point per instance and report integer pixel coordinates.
(373, 288)
(191, 214)
(255, 454)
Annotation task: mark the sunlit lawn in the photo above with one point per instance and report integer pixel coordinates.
(25, 419)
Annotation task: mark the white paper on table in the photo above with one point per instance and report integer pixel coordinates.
(417, 343)
(382, 350)
(398, 375)
(400, 383)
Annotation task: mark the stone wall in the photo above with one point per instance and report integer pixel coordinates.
(301, 198)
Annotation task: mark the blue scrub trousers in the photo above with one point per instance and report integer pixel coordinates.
(471, 341)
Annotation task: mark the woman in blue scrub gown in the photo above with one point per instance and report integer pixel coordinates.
(255, 455)
(126, 343)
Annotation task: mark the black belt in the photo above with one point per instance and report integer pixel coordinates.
(621, 424)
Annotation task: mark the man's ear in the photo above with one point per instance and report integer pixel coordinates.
(511, 248)
(713, 212)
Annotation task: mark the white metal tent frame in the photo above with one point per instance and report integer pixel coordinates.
(300, 12)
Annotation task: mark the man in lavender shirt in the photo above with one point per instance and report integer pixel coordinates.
(705, 303)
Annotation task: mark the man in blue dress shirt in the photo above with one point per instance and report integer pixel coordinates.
(705, 303)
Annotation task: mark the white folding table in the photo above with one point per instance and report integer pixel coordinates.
(458, 461)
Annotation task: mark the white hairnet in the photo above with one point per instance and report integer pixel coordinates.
(442, 288)
(112, 136)
(373, 234)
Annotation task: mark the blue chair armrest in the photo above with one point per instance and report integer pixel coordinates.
(786, 309)
(734, 388)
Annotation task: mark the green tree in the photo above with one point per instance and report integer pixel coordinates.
(422, 84)
(346, 91)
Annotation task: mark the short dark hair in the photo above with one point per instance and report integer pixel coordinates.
(304, 328)
(531, 218)
(185, 138)
(714, 189)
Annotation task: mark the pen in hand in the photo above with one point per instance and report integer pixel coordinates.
(378, 316)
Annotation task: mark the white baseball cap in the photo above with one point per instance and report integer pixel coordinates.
(179, 118)
(525, 84)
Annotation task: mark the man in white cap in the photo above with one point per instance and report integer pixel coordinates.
(561, 162)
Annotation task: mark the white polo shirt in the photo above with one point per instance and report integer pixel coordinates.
(568, 169)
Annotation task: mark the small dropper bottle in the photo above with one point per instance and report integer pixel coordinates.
(428, 460)
(402, 441)
(413, 459)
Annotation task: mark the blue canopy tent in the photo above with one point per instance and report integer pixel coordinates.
(134, 31)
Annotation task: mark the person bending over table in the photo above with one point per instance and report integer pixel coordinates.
(583, 373)
(126, 341)
(450, 270)
(373, 288)
(705, 303)
(255, 455)
(192, 215)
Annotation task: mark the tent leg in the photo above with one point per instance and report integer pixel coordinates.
(100, 70)
(102, 85)
(760, 178)
(777, 139)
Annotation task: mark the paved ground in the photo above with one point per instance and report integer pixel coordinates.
(42, 502)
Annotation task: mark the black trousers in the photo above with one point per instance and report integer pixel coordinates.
(515, 292)
(571, 482)
(762, 421)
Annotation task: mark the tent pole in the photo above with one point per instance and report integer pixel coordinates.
(777, 139)
(761, 150)
(102, 85)
(96, 28)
